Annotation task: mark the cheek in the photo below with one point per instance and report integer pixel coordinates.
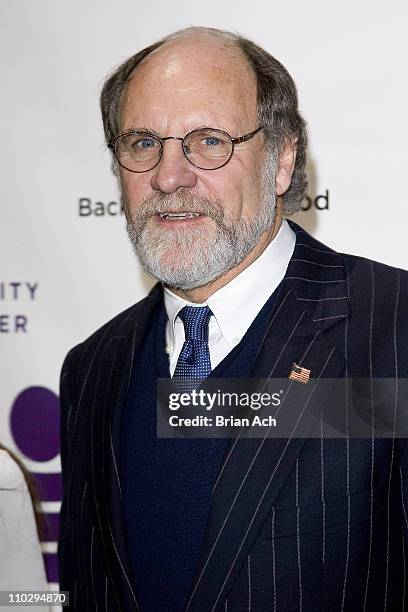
(253, 189)
(240, 187)
(134, 188)
(229, 189)
(242, 197)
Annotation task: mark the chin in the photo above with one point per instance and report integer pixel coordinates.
(178, 272)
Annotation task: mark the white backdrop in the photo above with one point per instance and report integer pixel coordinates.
(349, 61)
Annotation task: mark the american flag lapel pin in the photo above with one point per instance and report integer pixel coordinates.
(299, 374)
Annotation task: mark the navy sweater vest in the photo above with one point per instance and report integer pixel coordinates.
(167, 483)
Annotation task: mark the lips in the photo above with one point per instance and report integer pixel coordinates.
(178, 215)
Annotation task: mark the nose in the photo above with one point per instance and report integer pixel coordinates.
(173, 170)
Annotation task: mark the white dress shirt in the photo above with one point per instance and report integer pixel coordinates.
(235, 305)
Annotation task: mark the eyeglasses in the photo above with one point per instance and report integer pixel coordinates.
(206, 148)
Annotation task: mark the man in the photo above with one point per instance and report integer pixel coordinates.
(209, 149)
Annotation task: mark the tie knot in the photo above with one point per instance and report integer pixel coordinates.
(195, 320)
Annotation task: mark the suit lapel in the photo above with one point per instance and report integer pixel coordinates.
(312, 299)
(107, 387)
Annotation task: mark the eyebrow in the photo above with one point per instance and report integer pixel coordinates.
(192, 127)
(136, 128)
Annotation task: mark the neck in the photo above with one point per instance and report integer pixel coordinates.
(200, 294)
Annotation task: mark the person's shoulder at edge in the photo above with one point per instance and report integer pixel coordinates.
(21, 561)
(11, 476)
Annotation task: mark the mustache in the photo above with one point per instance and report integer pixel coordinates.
(179, 202)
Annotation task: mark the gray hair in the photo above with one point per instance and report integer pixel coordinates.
(277, 102)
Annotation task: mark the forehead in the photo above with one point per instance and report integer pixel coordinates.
(190, 83)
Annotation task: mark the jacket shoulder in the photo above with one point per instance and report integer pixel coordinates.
(122, 324)
(113, 327)
(379, 294)
(380, 274)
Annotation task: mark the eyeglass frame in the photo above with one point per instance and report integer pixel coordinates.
(234, 141)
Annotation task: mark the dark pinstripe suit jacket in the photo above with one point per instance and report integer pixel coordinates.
(295, 524)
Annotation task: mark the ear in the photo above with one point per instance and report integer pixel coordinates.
(286, 165)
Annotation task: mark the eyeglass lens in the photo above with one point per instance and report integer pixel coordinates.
(205, 148)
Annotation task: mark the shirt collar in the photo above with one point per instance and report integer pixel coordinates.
(236, 305)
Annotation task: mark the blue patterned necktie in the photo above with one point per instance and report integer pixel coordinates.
(194, 359)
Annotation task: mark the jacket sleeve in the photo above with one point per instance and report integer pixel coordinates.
(66, 561)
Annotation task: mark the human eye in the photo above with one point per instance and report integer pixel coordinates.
(211, 141)
(206, 143)
(144, 142)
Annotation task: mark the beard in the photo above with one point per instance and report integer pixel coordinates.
(189, 257)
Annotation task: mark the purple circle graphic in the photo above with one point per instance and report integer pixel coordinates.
(35, 417)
